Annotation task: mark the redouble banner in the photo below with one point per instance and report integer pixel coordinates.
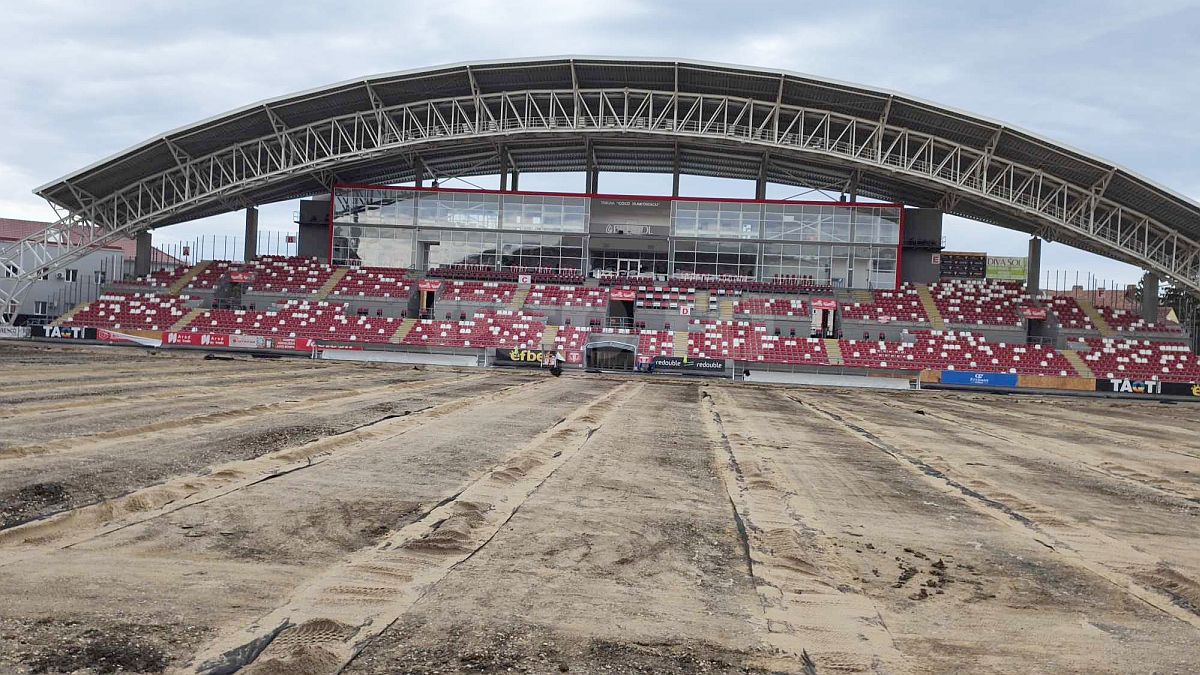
(683, 364)
(972, 378)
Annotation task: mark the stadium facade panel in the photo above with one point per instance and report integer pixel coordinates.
(839, 244)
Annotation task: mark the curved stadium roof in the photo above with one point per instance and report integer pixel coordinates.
(639, 115)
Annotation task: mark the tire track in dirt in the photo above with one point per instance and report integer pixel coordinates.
(805, 610)
(70, 528)
(120, 437)
(1016, 437)
(224, 394)
(166, 368)
(148, 384)
(330, 619)
(1129, 569)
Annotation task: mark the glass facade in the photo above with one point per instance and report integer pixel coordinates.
(836, 244)
(709, 257)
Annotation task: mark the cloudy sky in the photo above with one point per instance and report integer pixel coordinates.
(82, 80)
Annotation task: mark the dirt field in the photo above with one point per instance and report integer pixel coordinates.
(163, 512)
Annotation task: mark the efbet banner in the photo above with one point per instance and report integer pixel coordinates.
(1006, 268)
(521, 358)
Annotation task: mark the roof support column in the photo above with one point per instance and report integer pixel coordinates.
(515, 175)
(1033, 267)
(852, 188)
(144, 247)
(591, 173)
(760, 185)
(251, 250)
(418, 172)
(1150, 297)
(675, 173)
(503, 170)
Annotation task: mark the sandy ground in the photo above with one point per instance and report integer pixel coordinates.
(163, 512)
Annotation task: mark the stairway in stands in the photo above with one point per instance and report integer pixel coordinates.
(182, 282)
(681, 343)
(548, 336)
(935, 316)
(726, 310)
(185, 320)
(833, 352)
(63, 318)
(402, 332)
(331, 283)
(1077, 363)
(518, 298)
(862, 296)
(701, 304)
(1098, 321)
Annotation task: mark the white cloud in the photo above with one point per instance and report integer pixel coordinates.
(80, 81)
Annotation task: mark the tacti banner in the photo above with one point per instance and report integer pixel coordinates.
(1124, 385)
(64, 332)
(976, 379)
(684, 364)
(824, 303)
(521, 358)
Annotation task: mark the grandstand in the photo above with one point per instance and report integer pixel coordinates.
(981, 325)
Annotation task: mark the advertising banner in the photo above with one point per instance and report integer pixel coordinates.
(429, 284)
(293, 344)
(249, 342)
(145, 338)
(963, 265)
(64, 332)
(14, 331)
(976, 379)
(520, 358)
(684, 364)
(1033, 313)
(241, 277)
(630, 217)
(623, 294)
(1006, 268)
(824, 303)
(195, 339)
(1119, 385)
(1181, 389)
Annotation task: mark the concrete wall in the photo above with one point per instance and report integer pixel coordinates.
(313, 222)
(917, 264)
(313, 241)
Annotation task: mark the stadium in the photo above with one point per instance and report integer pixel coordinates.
(790, 435)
